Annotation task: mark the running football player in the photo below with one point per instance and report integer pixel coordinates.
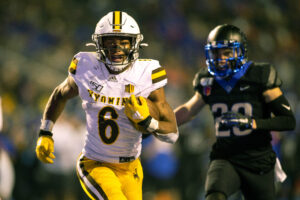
(247, 103)
(112, 84)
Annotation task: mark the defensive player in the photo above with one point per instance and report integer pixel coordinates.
(247, 103)
(112, 84)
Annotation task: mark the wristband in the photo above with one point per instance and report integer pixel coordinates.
(153, 126)
(150, 124)
(46, 125)
(45, 133)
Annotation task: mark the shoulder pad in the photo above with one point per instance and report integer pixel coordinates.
(81, 61)
(148, 72)
(203, 72)
(273, 79)
(269, 76)
(158, 73)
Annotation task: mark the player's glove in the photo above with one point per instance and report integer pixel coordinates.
(138, 112)
(230, 119)
(45, 147)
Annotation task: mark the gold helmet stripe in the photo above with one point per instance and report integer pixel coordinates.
(117, 21)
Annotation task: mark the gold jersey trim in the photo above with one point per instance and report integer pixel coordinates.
(158, 75)
(73, 66)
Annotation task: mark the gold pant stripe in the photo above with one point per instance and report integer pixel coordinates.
(87, 191)
(93, 190)
(85, 188)
(85, 185)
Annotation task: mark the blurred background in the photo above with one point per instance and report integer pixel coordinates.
(38, 40)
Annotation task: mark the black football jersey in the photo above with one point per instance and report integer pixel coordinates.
(240, 93)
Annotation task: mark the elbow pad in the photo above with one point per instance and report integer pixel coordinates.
(169, 137)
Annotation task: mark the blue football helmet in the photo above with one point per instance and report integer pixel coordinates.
(225, 40)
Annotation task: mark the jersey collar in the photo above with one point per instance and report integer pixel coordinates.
(228, 85)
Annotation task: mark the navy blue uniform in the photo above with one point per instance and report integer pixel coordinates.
(245, 149)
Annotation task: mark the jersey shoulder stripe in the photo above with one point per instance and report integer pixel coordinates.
(149, 73)
(73, 66)
(158, 75)
(82, 61)
(157, 72)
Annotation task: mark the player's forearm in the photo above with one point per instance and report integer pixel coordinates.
(55, 105)
(166, 127)
(279, 123)
(57, 101)
(167, 132)
(183, 115)
(284, 119)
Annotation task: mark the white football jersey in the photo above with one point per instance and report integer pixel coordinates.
(111, 137)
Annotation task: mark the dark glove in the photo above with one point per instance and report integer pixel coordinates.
(230, 119)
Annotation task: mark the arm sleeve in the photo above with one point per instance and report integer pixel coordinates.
(284, 119)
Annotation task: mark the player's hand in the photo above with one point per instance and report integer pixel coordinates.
(137, 112)
(44, 149)
(230, 119)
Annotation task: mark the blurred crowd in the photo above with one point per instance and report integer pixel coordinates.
(39, 38)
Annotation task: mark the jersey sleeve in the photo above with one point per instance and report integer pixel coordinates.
(270, 77)
(159, 77)
(156, 77)
(82, 62)
(201, 74)
(196, 82)
(73, 67)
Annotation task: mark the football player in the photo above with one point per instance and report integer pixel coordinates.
(247, 103)
(7, 171)
(112, 84)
